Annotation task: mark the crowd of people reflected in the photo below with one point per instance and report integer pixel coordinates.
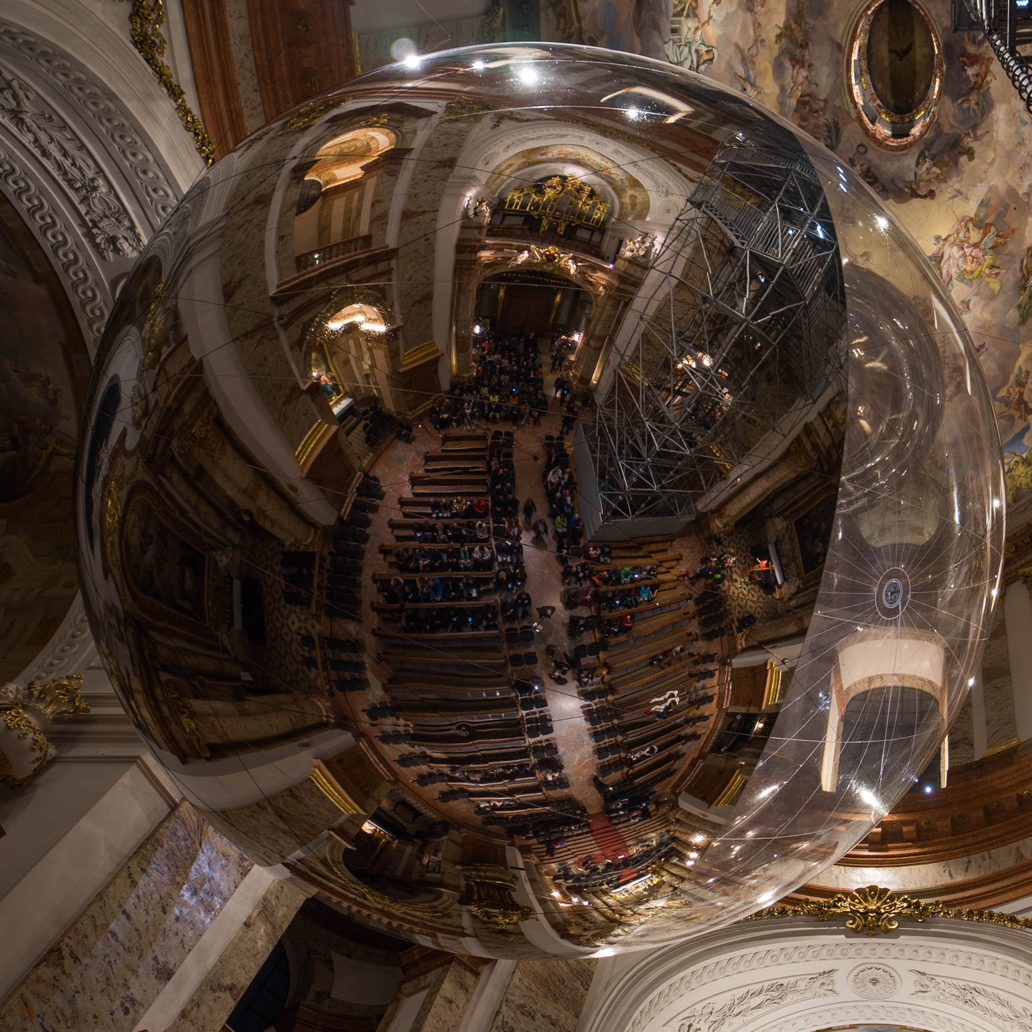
(541, 500)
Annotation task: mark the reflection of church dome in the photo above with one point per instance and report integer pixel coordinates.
(304, 540)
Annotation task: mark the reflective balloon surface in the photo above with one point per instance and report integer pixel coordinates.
(541, 499)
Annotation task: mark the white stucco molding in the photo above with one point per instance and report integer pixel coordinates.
(98, 35)
(87, 178)
(800, 975)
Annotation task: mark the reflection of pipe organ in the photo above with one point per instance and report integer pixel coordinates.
(559, 202)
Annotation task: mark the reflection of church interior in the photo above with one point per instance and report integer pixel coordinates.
(516, 545)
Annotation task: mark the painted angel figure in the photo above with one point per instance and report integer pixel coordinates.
(968, 252)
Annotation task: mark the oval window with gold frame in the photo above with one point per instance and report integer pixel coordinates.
(895, 71)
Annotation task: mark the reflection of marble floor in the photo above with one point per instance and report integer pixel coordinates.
(544, 583)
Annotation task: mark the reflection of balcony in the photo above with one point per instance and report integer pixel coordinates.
(531, 236)
(331, 252)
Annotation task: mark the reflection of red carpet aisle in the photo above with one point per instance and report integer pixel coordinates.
(611, 843)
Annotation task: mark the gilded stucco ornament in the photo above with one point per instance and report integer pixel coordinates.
(145, 21)
(26, 714)
(874, 910)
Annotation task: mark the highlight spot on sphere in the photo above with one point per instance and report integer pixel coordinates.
(545, 502)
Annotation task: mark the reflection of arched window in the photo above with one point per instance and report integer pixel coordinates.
(341, 160)
(886, 691)
(338, 347)
(334, 204)
(561, 205)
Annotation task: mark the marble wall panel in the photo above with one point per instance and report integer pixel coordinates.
(544, 996)
(232, 973)
(962, 749)
(996, 687)
(109, 965)
(271, 829)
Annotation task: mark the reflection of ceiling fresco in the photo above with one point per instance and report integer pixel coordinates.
(43, 373)
(963, 190)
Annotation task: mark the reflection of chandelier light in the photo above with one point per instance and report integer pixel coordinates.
(356, 317)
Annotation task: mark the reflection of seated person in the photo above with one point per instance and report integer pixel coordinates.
(762, 575)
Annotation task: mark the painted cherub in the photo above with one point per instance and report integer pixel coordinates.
(968, 252)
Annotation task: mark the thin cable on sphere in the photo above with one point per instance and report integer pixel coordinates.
(541, 499)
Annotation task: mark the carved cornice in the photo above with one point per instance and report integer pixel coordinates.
(73, 160)
(875, 979)
(872, 910)
(44, 133)
(91, 296)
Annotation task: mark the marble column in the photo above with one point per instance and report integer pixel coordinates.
(1017, 612)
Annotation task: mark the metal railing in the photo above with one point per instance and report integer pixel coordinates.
(1007, 24)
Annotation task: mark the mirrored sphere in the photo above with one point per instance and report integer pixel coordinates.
(541, 499)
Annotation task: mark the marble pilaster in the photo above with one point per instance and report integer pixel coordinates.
(232, 972)
(439, 997)
(544, 996)
(114, 959)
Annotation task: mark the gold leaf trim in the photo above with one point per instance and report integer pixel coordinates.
(873, 910)
(331, 790)
(419, 355)
(145, 21)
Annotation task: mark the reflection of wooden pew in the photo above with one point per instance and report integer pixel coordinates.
(404, 530)
(460, 441)
(449, 484)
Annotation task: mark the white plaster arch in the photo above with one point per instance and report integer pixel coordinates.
(800, 975)
(488, 148)
(98, 35)
(85, 175)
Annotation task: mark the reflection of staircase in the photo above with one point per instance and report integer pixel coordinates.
(1007, 25)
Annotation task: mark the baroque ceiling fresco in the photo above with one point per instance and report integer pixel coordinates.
(44, 370)
(963, 188)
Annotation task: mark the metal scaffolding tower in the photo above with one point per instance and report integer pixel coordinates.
(740, 316)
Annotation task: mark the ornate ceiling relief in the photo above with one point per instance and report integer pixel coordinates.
(90, 295)
(81, 172)
(108, 225)
(1011, 1013)
(139, 167)
(721, 1013)
(917, 973)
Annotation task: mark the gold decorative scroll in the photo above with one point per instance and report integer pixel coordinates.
(559, 202)
(145, 21)
(549, 259)
(873, 910)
